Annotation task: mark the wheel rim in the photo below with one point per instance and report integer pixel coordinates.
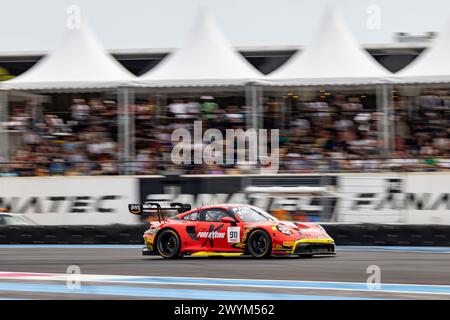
(259, 244)
(168, 244)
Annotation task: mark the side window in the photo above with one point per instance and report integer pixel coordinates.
(214, 215)
(191, 217)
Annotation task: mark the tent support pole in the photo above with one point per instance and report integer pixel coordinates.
(161, 102)
(248, 102)
(260, 122)
(4, 135)
(132, 123)
(125, 129)
(417, 94)
(284, 107)
(390, 109)
(258, 107)
(255, 107)
(411, 100)
(252, 101)
(385, 127)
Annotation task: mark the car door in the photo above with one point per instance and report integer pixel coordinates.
(212, 232)
(190, 226)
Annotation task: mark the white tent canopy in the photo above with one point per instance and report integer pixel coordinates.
(432, 66)
(80, 62)
(206, 59)
(334, 58)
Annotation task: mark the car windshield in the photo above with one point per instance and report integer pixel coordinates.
(252, 214)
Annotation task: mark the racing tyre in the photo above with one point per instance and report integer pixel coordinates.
(259, 244)
(168, 244)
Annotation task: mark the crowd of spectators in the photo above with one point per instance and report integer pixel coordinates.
(344, 135)
(83, 144)
(325, 133)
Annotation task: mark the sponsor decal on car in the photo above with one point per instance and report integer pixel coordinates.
(234, 234)
(211, 235)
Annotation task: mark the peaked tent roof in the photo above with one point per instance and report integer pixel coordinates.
(206, 59)
(80, 62)
(433, 65)
(334, 58)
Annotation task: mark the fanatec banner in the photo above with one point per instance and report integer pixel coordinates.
(413, 198)
(70, 200)
(408, 198)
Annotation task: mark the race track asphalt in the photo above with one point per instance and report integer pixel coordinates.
(292, 276)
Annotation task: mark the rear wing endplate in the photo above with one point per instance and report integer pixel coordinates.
(151, 207)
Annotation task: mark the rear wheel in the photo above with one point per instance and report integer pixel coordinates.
(168, 244)
(259, 244)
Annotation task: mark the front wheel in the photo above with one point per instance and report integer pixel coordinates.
(168, 244)
(259, 244)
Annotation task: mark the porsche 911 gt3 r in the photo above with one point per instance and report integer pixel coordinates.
(229, 229)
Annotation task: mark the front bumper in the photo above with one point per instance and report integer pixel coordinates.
(314, 248)
(311, 246)
(306, 246)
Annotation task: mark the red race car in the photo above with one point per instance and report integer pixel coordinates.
(228, 229)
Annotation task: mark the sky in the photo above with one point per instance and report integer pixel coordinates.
(30, 25)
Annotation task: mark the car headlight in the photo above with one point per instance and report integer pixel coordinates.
(284, 230)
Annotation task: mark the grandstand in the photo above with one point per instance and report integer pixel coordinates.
(95, 127)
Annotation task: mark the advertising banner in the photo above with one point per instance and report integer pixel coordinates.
(370, 199)
(426, 199)
(206, 190)
(69, 200)
(407, 198)
(410, 198)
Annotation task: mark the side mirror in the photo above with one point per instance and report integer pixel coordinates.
(227, 220)
(137, 209)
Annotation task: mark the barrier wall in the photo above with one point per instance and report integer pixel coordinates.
(389, 234)
(406, 198)
(344, 234)
(74, 234)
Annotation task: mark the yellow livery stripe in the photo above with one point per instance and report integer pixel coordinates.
(315, 241)
(312, 241)
(216, 254)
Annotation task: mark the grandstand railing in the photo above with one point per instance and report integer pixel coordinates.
(136, 167)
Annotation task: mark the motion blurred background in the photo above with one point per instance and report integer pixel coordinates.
(91, 92)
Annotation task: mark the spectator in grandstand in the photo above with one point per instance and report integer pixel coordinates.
(209, 108)
(178, 109)
(326, 133)
(80, 110)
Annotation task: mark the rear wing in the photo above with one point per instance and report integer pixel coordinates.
(152, 207)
